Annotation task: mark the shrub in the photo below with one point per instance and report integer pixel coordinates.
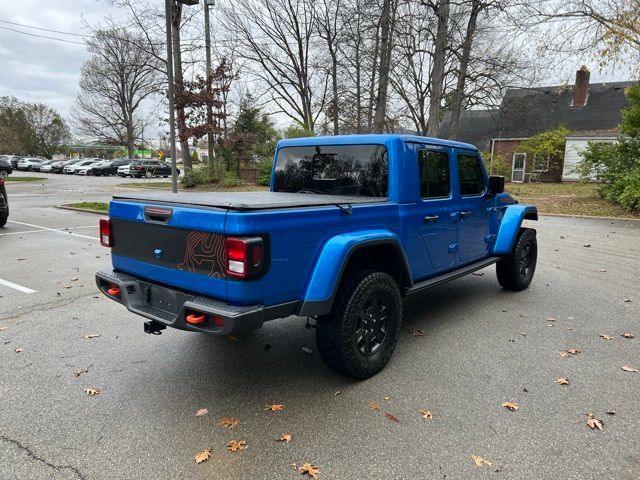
(231, 179)
(264, 171)
(618, 166)
(501, 166)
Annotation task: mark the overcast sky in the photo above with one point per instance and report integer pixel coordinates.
(47, 70)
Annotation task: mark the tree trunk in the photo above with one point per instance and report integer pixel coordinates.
(385, 62)
(437, 72)
(179, 81)
(334, 78)
(458, 94)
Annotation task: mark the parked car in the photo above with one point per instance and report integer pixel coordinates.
(4, 203)
(58, 167)
(12, 159)
(5, 168)
(38, 168)
(28, 163)
(72, 167)
(150, 169)
(123, 170)
(350, 226)
(89, 169)
(110, 167)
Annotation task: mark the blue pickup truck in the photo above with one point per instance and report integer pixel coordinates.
(350, 226)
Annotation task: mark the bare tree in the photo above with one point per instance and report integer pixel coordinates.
(114, 83)
(329, 14)
(275, 36)
(437, 72)
(387, 22)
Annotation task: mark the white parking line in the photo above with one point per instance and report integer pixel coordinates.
(64, 232)
(22, 232)
(15, 286)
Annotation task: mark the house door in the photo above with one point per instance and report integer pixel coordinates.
(518, 166)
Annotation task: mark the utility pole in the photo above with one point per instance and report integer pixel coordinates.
(168, 11)
(207, 39)
(171, 98)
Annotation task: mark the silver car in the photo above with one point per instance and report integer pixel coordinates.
(27, 163)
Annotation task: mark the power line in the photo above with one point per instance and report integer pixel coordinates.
(43, 29)
(42, 36)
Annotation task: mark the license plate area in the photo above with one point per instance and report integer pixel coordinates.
(159, 298)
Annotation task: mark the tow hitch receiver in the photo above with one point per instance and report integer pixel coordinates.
(154, 328)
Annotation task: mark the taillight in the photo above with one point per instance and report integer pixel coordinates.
(138, 168)
(244, 256)
(105, 232)
(1, 180)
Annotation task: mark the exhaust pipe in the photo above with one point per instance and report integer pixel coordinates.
(154, 328)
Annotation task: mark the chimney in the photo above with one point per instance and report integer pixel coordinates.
(581, 90)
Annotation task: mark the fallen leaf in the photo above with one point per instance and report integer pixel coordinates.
(562, 381)
(551, 319)
(201, 412)
(285, 437)
(513, 406)
(479, 461)
(611, 412)
(601, 270)
(74, 279)
(237, 445)
(629, 369)
(21, 259)
(426, 414)
(274, 408)
(200, 457)
(228, 422)
(2, 329)
(91, 335)
(91, 391)
(386, 398)
(307, 350)
(523, 334)
(570, 352)
(231, 338)
(606, 337)
(587, 245)
(392, 417)
(374, 406)
(478, 274)
(417, 333)
(337, 392)
(626, 300)
(628, 335)
(594, 422)
(77, 373)
(310, 470)
(522, 315)
(19, 350)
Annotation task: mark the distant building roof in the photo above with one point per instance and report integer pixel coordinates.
(525, 112)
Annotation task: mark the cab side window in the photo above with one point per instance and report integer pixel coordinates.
(433, 168)
(471, 178)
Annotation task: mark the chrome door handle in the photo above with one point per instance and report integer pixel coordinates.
(465, 213)
(431, 218)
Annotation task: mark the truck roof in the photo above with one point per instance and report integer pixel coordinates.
(382, 139)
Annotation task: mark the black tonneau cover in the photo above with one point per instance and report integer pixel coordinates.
(247, 200)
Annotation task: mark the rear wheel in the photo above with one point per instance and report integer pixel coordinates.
(360, 334)
(3, 173)
(515, 271)
(148, 174)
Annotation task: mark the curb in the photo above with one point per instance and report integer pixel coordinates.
(620, 219)
(87, 210)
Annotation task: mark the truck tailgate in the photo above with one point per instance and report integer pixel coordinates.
(179, 246)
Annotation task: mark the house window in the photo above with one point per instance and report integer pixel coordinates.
(434, 174)
(518, 167)
(541, 163)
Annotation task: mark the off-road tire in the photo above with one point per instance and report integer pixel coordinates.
(336, 333)
(3, 219)
(515, 271)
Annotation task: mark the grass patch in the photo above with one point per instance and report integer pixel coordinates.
(567, 199)
(199, 188)
(12, 178)
(99, 206)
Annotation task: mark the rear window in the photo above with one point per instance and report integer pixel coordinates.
(360, 170)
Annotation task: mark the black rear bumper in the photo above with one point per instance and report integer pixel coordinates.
(170, 307)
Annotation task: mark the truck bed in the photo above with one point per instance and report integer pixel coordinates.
(243, 201)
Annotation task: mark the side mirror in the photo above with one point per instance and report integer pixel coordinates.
(496, 185)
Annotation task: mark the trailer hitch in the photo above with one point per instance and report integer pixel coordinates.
(154, 328)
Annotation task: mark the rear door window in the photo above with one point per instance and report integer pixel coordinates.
(433, 168)
(470, 173)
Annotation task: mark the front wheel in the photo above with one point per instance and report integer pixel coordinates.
(515, 271)
(359, 335)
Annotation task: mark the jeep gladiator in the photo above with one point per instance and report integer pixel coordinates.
(350, 226)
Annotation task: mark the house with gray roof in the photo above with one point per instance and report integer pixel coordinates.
(590, 111)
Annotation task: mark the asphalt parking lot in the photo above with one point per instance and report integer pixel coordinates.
(481, 347)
